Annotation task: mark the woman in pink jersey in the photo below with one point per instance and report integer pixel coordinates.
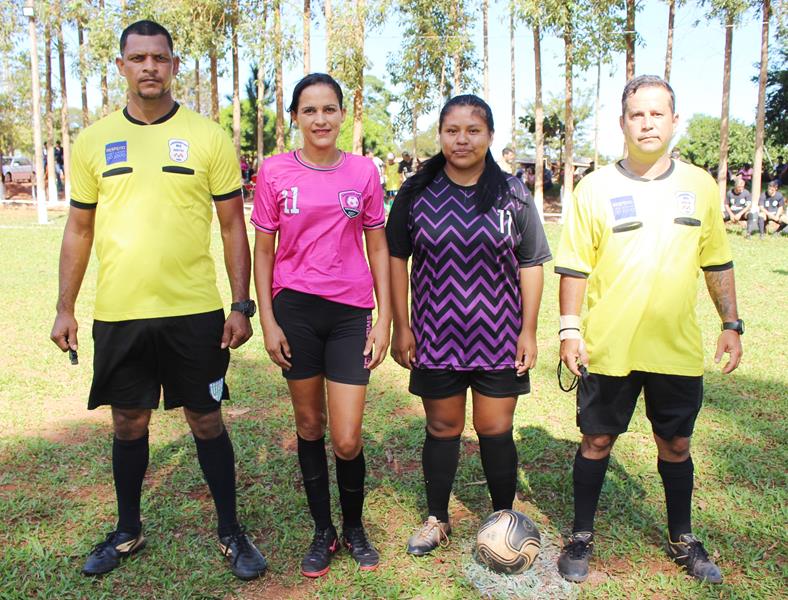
(315, 291)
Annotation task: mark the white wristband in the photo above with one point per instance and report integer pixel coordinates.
(570, 334)
(565, 321)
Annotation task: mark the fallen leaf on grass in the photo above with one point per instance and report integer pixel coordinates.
(237, 412)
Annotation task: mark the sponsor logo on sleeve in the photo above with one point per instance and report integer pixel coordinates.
(685, 203)
(350, 202)
(179, 150)
(115, 152)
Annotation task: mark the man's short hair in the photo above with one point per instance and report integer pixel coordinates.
(774, 183)
(633, 85)
(738, 181)
(144, 27)
(507, 150)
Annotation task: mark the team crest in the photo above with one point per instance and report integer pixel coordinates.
(685, 203)
(350, 202)
(216, 388)
(179, 150)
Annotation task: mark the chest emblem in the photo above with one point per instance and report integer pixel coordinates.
(623, 207)
(179, 150)
(116, 152)
(685, 203)
(350, 202)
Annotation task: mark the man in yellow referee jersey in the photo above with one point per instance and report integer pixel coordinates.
(637, 235)
(145, 182)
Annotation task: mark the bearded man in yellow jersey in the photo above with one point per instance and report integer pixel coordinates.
(145, 182)
(637, 235)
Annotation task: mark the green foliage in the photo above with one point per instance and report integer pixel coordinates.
(378, 129)
(249, 118)
(16, 107)
(777, 98)
(554, 129)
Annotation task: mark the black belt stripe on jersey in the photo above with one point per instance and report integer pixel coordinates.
(117, 171)
(181, 170)
(687, 221)
(627, 226)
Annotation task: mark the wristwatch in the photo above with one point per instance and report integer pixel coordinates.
(247, 308)
(737, 326)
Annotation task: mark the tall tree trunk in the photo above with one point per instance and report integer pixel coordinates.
(358, 97)
(329, 31)
(83, 80)
(513, 71)
(457, 87)
(759, 119)
(569, 126)
(722, 170)
(236, 80)
(415, 131)
(197, 107)
(307, 26)
(64, 125)
(596, 111)
(39, 159)
(445, 94)
(214, 84)
(486, 51)
(52, 192)
(260, 115)
(280, 116)
(630, 39)
(103, 78)
(538, 124)
(669, 49)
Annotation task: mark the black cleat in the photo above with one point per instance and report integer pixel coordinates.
(360, 548)
(573, 562)
(107, 555)
(689, 553)
(246, 561)
(317, 559)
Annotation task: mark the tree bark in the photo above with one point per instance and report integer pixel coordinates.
(538, 124)
(214, 84)
(52, 192)
(358, 97)
(103, 78)
(513, 71)
(236, 81)
(722, 170)
(64, 125)
(280, 117)
(596, 111)
(197, 107)
(630, 39)
(83, 80)
(329, 28)
(307, 26)
(260, 115)
(669, 49)
(569, 127)
(486, 51)
(757, 163)
(39, 159)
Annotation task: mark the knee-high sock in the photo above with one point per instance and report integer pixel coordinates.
(350, 479)
(588, 475)
(217, 460)
(678, 480)
(499, 461)
(314, 469)
(129, 463)
(439, 458)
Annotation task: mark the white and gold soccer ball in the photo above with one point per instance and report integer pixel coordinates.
(507, 542)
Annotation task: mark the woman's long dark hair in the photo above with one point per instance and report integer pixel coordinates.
(492, 182)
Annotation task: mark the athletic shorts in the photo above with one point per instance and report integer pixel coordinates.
(391, 194)
(442, 383)
(135, 359)
(326, 338)
(605, 404)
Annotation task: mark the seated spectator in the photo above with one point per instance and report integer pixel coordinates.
(737, 205)
(771, 209)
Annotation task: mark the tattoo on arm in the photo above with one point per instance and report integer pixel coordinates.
(722, 289)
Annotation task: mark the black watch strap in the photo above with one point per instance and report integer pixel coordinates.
(737, 326)
(247, 308)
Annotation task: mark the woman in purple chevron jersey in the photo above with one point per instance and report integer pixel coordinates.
(477, 247)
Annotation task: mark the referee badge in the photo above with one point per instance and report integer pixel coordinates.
(350, 202)
(685, 203)
(216, 388)
(179, 150)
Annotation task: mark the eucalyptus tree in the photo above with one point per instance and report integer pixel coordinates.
(630, 37)
(759, 120)
(65, 126)
(307, 27)
(669, 45)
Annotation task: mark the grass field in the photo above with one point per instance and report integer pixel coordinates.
(57, 498)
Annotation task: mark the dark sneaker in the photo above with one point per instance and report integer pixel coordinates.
(360, 548)
(689, 553)
(106, 556)
(246, 561)
(318, 557)
(432, 534)
(573, 562)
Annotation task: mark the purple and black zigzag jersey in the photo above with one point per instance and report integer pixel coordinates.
(466, 310)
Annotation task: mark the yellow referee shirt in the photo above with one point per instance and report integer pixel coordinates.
(641, 244)
(152, 187)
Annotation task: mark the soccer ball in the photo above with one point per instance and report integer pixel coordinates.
(507, 542)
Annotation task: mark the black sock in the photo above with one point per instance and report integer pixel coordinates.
(439, 459)
(217, 460)
(678, 479)
(761, 226)
(129, 463)
(499, 461)
(588, 475)
(314, 470)
(350, 479)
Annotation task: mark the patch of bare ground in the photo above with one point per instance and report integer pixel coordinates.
(408, 410)
(268, 589)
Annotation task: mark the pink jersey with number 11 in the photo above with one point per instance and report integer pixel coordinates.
(320, 214)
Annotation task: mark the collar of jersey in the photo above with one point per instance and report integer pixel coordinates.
(166, 117)
(301, 161)
(629, 175)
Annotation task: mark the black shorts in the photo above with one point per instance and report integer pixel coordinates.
(605, 404)
(391, 194)
(135, 359)
(326, 338)
(442, 383)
